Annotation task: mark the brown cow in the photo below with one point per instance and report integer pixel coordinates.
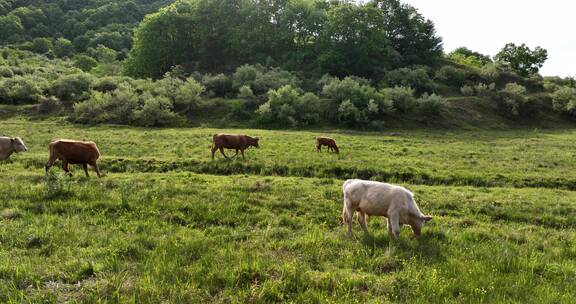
(234, 142)
(326, 141)
(74, 152)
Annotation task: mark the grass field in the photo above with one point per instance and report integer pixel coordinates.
(168, 225)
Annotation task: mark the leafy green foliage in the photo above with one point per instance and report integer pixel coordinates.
(416, 78)
(288, 107)
(338, 37)
(465, 56)
(513, 101)
(522, 59)
(564, 100)
(430, 106)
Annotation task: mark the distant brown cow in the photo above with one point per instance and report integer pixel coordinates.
(326, 141)
(74, 152)
(234, 142)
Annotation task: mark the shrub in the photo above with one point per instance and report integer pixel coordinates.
(6, 72)
(85, 62)
(286, 106)
(73, 87)
(245, 76)
(401, 98)
(110, 83)
(274, 79)
(467, 90)
(451, 76)
(22, 89)
(156, 112)
(564, 100)
(512, 100)
(490, 72)
(111, 107)
(245, 92)
(430, 105)
(483, 89)
(417, 79)
(350, 89)
(220, 84)
(188, 96)
(349, 114)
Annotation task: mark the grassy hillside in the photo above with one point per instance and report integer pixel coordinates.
(155, 229)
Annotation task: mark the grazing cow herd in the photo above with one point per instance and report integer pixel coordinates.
(363, 197)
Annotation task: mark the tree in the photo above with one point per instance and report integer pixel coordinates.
(63, 47)
(10, 28)
(41, 45)
(85, 62)
(522, 59)
(468, 57)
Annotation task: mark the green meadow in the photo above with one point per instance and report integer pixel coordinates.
(167, 224)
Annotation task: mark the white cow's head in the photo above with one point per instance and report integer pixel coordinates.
(18, 144)
(417, 222)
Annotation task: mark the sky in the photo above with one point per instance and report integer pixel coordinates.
(486, 26)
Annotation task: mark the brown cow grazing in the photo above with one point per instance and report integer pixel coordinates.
(326, 141)
(10, 145)
(234, 142)
(74, 152)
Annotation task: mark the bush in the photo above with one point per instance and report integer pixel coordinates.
(417, 79)
(22, 89)
(73, 87)
(286, 106)
(245, 76)
(490, 72)
(110, 83)
(430, 105)
(220, 84)
(401, 98)
(274, 79)
(188, 96)
(467, 90)
(85, 62)
(451, 76)
(512, 100)
(111, 107)
(483, 89)
(564, 100)
(245, 92)
(350, 89)
(6, 72)
(349, 114)
(156, 112)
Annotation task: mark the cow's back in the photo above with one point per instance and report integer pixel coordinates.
(75, 152)
(375, 198)
(230, 141)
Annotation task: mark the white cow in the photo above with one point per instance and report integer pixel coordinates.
(373, 198)
(11, 145)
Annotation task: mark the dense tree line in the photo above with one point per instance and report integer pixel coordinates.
(82, 23)
(315, 36)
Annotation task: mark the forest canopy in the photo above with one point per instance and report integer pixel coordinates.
(340, 38)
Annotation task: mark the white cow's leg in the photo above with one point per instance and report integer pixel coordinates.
(394, 225)
(362, 221)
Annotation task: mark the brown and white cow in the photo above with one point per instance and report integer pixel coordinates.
(74, 152)
(326, 141)
(380, 199)
(11, 145)
(234, 142)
